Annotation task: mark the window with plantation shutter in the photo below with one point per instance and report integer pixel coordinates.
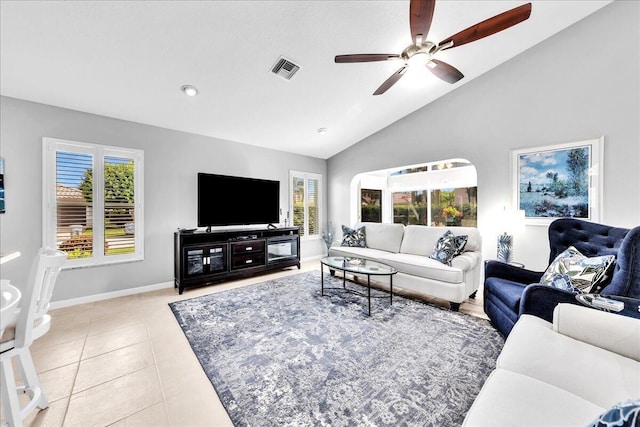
(313, 216)
(92, 202)
(305, 202)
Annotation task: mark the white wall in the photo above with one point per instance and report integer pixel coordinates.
(172, 160)
(578, 85)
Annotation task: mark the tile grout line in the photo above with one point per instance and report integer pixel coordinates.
(155, 364)
(75, 377)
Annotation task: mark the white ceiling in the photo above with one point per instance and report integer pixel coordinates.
(128, 60)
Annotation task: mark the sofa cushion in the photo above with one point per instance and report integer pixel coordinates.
(572, 269)
(386, 237)
(510, 292)
(420, 239)
(347, 251)
(594, 374)
(512, 399)
(421, 266)
(354, 237)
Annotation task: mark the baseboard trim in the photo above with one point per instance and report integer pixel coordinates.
(126, 292)
(109, 295)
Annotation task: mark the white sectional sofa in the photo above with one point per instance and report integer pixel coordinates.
(408, 248)
(561, 374)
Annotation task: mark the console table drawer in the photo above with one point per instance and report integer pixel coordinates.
(252, 246)
(247, 260)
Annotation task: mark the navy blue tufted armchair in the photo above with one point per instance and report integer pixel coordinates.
(511, 291)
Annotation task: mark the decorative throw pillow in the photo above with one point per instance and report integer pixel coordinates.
(461, 242)
(625, 414)
(353, 237)
(445, 248)
(581, 273)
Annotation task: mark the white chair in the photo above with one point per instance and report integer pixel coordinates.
(10, 299)
(32, 322)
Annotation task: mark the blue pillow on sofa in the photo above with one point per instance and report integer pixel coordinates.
(448, 247)
(461, 243)
(353, 237)
(575, 272)
(625, 414)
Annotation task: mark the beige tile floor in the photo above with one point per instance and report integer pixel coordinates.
(126, 362)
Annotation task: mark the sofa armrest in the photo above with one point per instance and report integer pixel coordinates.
(610, 331)
(466, 261)
(541, 300)
(510, 272)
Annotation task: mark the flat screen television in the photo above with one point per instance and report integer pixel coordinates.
(233, 200)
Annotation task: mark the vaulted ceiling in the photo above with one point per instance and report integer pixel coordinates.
(129, 59)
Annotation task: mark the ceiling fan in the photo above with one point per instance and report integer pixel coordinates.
(420, 17)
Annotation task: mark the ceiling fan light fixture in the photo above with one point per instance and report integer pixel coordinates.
(189, 90)
(419, 58)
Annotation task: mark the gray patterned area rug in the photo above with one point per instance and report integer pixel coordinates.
(278, 353)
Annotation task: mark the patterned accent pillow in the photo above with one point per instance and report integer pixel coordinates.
(625, 414)
(353, 237)
(445, 248)
(461, 242)
(581, 273)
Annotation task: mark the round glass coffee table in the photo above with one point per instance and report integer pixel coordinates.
(358, 266)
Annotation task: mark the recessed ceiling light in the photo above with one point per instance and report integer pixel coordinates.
(322, 131)
(189, 90)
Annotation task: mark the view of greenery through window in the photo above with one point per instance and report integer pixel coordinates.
(74, 199)
(305, 193)
(430, 206)
(297, 184)
(371, 205)
(452, 207)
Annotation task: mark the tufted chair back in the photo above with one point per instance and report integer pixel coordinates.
(593, 239)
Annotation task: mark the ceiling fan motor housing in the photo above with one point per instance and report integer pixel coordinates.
(427, 48)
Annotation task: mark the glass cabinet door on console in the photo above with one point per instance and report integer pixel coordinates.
(282, 248)
(205, 259)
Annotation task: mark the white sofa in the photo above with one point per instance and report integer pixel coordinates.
(561, 374)
(408, 248)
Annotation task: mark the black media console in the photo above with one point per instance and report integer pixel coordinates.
(207, 257)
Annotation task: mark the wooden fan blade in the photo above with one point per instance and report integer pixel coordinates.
(390, 81)
(366, 57)
(446, 72)
(420, 17)
(490, 26)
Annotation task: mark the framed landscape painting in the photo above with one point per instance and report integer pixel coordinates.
(558, 181)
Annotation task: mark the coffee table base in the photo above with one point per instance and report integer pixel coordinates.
(344, 286)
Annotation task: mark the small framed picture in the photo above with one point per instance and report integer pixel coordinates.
(558, 181)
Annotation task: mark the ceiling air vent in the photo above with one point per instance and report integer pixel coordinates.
(285, 68)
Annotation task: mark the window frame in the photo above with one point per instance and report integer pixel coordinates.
(306, 176)
(410, 178)
(49, 206)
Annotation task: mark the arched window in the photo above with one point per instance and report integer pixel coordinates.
(435, 193)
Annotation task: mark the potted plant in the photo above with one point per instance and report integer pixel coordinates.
(451, 215)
